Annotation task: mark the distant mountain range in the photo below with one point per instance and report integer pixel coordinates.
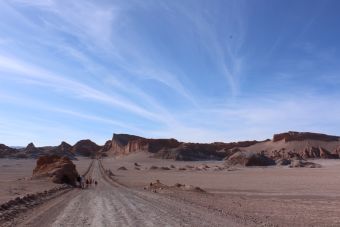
(284, 145)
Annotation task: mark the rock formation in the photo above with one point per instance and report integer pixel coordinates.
(7, 152)
(123, 144)
(302, 145)
(244, 158)
(86, 148)
(288, 145)
(58, 169)
(298, 163)
(299, 136)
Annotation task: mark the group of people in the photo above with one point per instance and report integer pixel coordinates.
(86, 183)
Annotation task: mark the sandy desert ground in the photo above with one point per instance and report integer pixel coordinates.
(271, 196)
(15, 177)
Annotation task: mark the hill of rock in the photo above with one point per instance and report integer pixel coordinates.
(86, 148)
(288, 145)
(123, 144)
(59, 169)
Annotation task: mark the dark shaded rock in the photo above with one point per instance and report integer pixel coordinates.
(86, 148)
(282, 162)
(59, 169)
(301, 163)
(244, 158)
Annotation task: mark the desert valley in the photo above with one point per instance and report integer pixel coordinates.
(291, 179)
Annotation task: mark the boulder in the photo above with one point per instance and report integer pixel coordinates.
(244, 158)
(59, 169)
(122, 168)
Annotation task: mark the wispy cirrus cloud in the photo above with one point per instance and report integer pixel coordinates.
(81, 90)
(100, 35)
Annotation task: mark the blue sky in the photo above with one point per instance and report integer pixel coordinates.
(196, 70)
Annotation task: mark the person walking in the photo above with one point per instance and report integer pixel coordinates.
(82, 182)
(79, 181)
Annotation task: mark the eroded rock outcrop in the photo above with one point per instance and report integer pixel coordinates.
(299, 136)
(298, 163)
(123, 144)
(58, 169)
(86, 148)
(244, 158)
(6, 152)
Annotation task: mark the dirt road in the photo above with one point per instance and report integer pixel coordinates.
(110, 204)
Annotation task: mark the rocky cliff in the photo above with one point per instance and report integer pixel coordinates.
(304, 145)
(300, 136)
(123, 144)
(284, 145)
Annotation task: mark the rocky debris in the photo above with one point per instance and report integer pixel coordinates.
(299, 136)
(59, 169)
(189, 188)
(318, 152)
(305, 153)
(202, 167)
(172, 166)
(122, 168)
(165, 168)
(249, 159)
(11, 209)
(86, 148)
(136, 164)
(182, 168)
(217, 168)
(153, 167)
(298, 163)
(282, 162)
(157, 187)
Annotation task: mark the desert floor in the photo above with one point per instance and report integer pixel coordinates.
(272, 196)
(268, 196)
(15, 177)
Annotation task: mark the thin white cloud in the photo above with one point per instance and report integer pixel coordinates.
(79, 89)
(100, 35)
